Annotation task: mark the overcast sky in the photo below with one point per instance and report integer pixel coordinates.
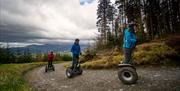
(24, 22)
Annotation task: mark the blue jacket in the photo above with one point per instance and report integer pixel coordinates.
(76, 49)
(129, 40)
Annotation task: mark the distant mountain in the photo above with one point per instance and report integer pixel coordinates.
(45, 48)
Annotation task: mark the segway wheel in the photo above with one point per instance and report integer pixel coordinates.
(53, 68)
(80, 71)
(69, 72)
(127, 75)
(46, 68)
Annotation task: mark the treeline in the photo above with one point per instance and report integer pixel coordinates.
(58, 57)
(7, 56)
(154, 19)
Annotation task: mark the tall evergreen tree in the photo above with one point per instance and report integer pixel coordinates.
(102, 19)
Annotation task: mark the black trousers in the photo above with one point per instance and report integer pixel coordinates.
(49, 63)
(127, 55)
(75, 60)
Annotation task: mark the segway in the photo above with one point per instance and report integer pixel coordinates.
(74, 70)
(127, 73)
(49, 67)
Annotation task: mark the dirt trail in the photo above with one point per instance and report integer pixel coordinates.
(150, 79)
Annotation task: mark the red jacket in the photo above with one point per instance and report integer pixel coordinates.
(50, 56)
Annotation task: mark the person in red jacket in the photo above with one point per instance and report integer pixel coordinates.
(50, 58)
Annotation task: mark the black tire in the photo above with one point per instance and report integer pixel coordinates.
(80, 71)
(53, 68)
(46, 68)
(69, 73)
(127, 75)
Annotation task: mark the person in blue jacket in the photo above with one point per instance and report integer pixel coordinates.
(129, 43)
(76, 51)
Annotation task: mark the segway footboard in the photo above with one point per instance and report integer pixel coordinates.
(126, 65)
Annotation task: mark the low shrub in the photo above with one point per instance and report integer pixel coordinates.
(88, 54)
(104, 62)
(66, 57)
(154, 53)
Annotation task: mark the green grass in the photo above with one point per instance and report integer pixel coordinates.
(11, 76)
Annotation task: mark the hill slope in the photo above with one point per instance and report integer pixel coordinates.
(157, 52)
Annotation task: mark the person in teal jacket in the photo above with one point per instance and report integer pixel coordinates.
(129, 43)
(76, 51)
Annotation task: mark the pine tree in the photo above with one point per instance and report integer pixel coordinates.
(102, 19)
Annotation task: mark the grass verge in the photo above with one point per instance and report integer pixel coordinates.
(11, 76)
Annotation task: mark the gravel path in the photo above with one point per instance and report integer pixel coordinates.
(150, 79)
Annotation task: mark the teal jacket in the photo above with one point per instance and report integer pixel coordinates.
(129, 39)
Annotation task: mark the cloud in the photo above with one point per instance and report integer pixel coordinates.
(46, 21)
